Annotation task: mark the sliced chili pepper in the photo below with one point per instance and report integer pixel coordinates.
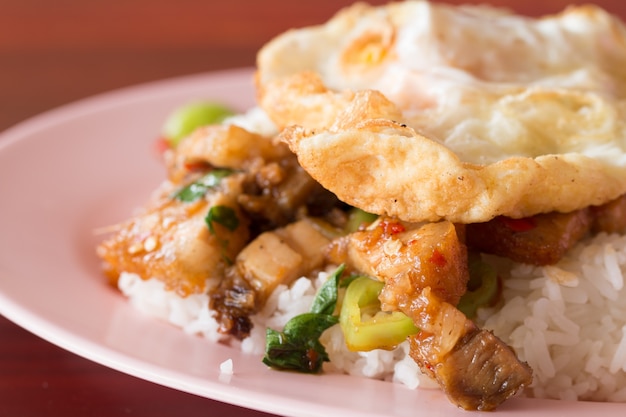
(483, 287)
(519, 225)
(365, 327)
(161, 145)
(392, 227)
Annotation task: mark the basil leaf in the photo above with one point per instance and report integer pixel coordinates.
(223, 215)
(307, 326)
(326, 298)
(197, 189)
(297, 348)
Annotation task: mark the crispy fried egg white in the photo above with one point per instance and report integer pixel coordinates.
(427, 111)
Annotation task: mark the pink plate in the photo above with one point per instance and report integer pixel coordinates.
(72, 170)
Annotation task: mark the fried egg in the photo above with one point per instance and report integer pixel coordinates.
(426, 111)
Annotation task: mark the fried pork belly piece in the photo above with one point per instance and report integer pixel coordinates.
(170, 241)
(495, 114)
(544, 239)
(476, 370)
(224, 146)
(401, 254)
(539, 240)
(261, 182)
(275, 257)
(610, 217)
(280, 192)
(424, 269)
(276, 189)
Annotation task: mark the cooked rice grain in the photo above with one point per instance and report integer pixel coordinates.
(568, 321)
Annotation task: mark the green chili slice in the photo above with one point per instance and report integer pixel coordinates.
(364, 325)
(357, 218)
(482, 288)
(185, 119)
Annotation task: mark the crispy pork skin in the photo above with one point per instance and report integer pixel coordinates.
(610, 217)
(273, 258)
(475, 369)
(539, 240)
(424, 268)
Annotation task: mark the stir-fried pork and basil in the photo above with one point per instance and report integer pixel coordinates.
(239, 211)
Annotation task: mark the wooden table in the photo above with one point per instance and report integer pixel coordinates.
(54, 52)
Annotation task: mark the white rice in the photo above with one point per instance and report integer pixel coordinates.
(190, 313)
(226, 367)
(568, 321)
(193, 316)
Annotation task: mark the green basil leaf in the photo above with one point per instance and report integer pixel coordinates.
(198, 189)
(281, 354)
(326, 298)
(297, 348)
(307, 326)
(224, 215)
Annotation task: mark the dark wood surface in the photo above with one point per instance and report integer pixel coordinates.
(56, 51)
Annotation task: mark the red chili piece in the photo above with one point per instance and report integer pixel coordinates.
(195, 166)
(392, 228)
(312, 356)
(161, 145)
(438, 259)
(519, 225)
